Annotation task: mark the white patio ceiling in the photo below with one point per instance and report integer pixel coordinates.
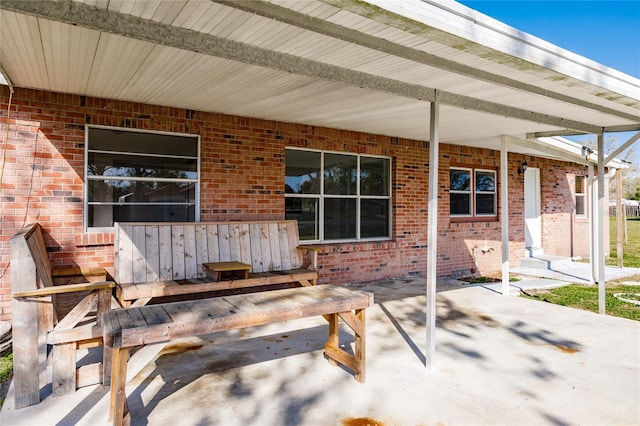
(335, 63)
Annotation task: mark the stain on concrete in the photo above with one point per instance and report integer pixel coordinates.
(361, 421)
(567, 349)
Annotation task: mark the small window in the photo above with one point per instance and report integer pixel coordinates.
(472, 192)
(140, 176)
(581, 198)
(337, 196)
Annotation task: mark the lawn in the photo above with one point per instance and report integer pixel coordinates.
(586, 296)
(6, 372)
(630, 251)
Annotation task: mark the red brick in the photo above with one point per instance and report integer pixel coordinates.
(242, 179)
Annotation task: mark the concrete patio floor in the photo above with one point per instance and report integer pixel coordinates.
(499, 361)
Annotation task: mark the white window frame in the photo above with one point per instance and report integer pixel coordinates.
(473, 192)
(321, 196)
(88, 177)
(494, 193)
(470, 191)
(581, 195)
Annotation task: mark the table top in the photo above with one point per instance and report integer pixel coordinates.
(227, 266)
(157, 323)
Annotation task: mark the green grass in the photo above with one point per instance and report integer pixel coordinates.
(6, 371)
(586, 297)
(6, 367)
(630, 251)
(482, 279)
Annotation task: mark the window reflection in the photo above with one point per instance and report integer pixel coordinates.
(485, 181)
(340, 174)
(139, 176)
(302, 172)
(339, 218)
(374, 176)
(460, 180)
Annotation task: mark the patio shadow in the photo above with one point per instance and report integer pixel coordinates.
(220, 358)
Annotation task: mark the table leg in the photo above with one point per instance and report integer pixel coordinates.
(334, 335)
(336, 355)
(360, 346)
(118, 397)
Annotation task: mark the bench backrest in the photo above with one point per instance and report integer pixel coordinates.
(31, 270)
(31, 237)
(146, 252)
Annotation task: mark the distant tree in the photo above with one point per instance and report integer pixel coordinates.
(636, 196)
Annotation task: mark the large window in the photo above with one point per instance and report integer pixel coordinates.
(140, 176)
(336, 196)
(581, 198)
(472, 192)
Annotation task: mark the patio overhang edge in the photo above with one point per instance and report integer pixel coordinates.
(74, 13)
(288, 16)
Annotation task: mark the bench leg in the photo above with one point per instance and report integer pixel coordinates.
(118, 396)
(63, 367)
(360, 346)
(107, 365)
(357, 362)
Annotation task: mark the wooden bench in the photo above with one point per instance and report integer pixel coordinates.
(126, 328)
(39, 319)
(167, 259)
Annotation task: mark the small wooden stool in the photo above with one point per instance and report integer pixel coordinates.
(238, 269)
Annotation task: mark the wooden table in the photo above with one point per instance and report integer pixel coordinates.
(129, 327)
(215, 269)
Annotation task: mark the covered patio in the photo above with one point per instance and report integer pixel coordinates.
(395, 78)
(500, 361)
(426, 71)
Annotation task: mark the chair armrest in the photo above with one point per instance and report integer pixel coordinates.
(68, 288)
(310, 248)
(313, 251)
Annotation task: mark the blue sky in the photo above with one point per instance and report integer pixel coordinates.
(607, 32)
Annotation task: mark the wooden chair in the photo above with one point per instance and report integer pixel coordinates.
(39, 322)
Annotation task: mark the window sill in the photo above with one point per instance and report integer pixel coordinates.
(470, 219)
(347, 247)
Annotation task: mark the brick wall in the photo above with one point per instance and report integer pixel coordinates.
(242, 165)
